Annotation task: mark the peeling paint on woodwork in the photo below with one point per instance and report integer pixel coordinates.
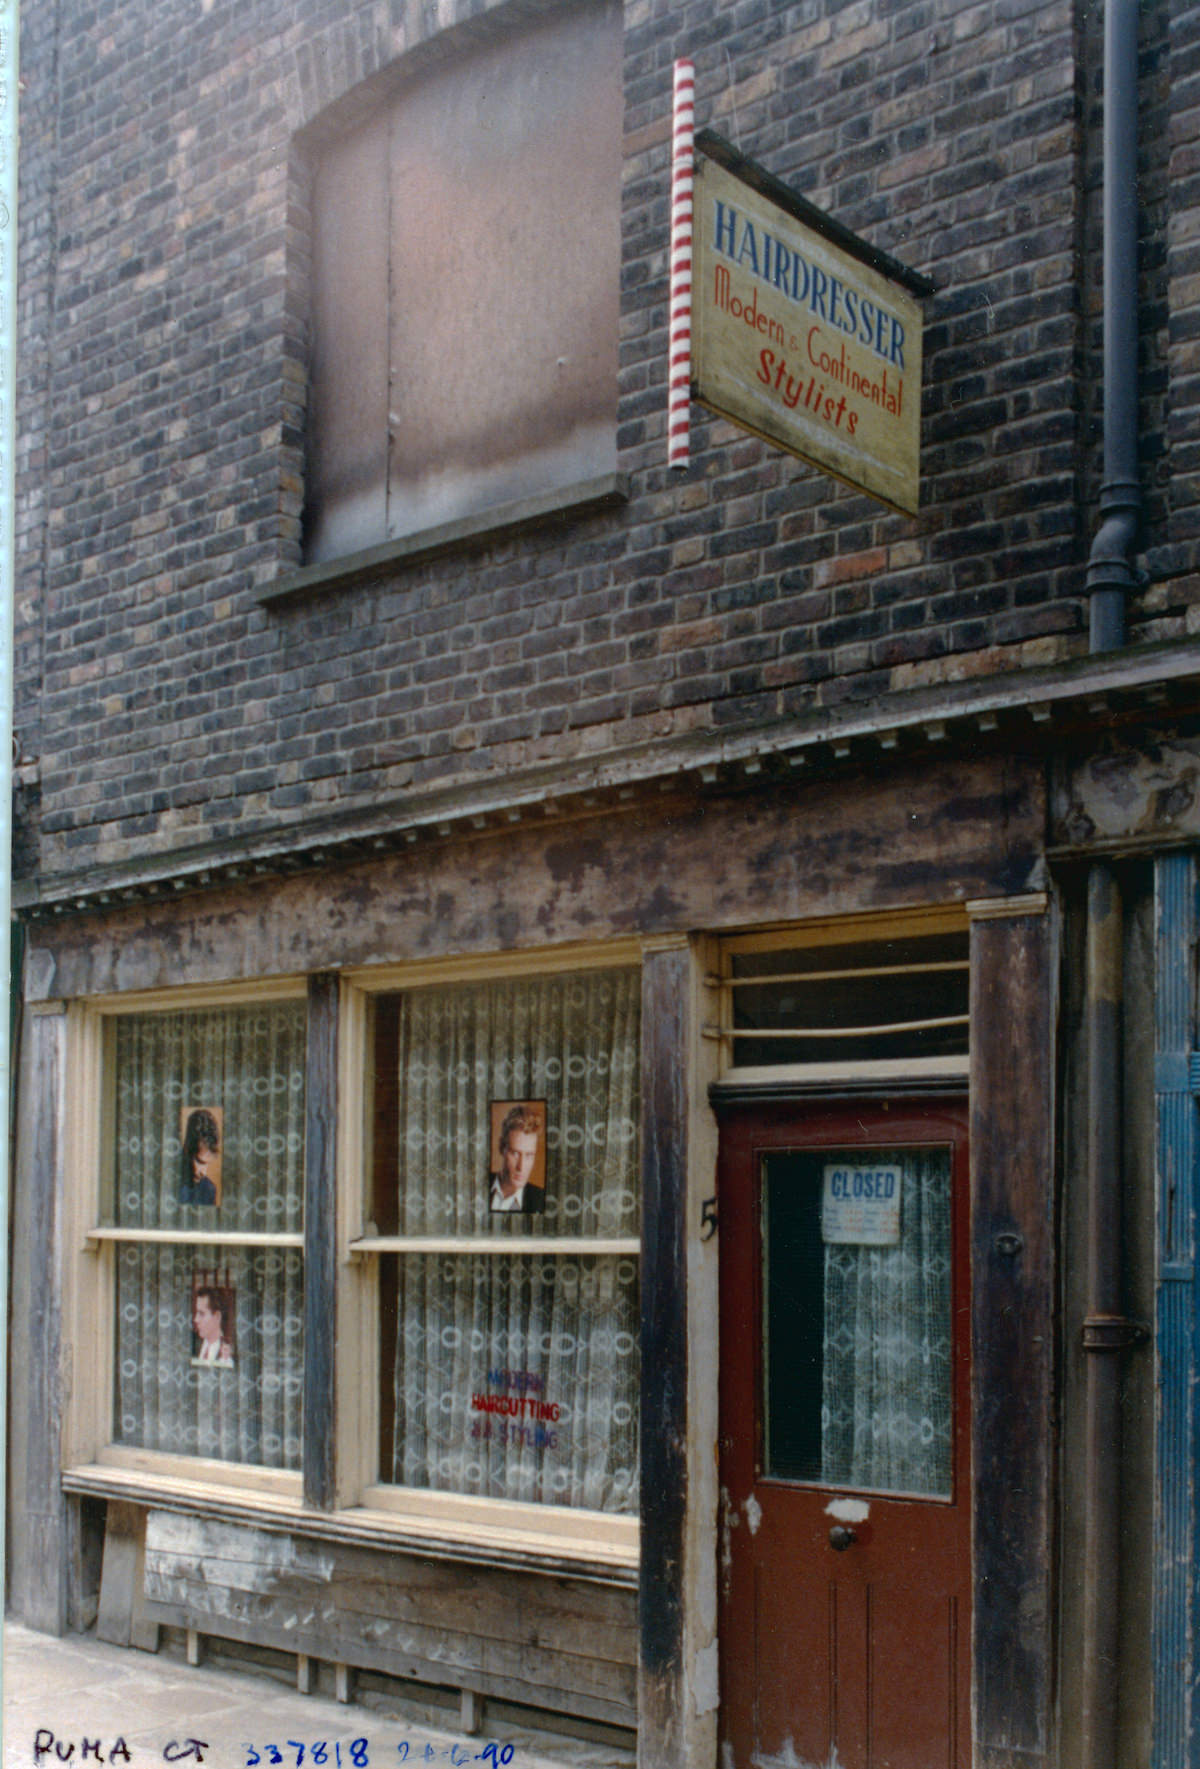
(722, 864)
(405, 1616)
(1153, 790)
(258, 1558)
(706, 1687)
(787, 1759)
(39, 974)
(704, 1589)
(848, 1510)
(729, 1522)
(753, 1512)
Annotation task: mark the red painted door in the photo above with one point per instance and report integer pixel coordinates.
(845, 1475)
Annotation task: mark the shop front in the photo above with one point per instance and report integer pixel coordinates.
(592, 1265)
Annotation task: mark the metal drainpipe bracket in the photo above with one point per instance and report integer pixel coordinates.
(1112, 1332)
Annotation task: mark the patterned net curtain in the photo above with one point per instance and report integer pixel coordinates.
(246, 1065)
(516, 1374)
(886, 1391)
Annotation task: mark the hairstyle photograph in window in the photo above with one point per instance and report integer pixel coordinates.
(508, 1367)
(465, 284)
(200, 1162)
(208, 1284)
(214, 1314)
(517, 1179)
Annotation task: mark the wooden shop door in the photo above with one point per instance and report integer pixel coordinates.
(845, 1437)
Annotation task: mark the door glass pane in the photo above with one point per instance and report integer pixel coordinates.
(857, 1319)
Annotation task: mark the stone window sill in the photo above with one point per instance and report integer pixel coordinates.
(565, 503)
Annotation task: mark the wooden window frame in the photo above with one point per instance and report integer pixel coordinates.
(90, 1455)
(360, 1504)
(537, 1531)
(829, 933)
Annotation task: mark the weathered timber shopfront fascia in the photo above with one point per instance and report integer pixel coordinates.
(414, 1444)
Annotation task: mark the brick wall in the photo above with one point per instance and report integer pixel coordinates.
(163, 312)
(1173, 550)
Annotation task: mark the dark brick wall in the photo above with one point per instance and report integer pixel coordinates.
(1173, 548)
(163, 312)
(39, 51)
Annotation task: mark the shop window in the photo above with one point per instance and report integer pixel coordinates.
(504, 1198)
(465, 266)
(202, 1189)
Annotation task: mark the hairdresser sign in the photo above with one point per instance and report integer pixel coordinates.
(802, 333)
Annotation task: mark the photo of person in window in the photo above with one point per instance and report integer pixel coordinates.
(200, 1162)
(212, 1326)
(517, 1181)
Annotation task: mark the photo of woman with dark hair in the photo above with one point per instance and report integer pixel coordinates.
(200, 1162)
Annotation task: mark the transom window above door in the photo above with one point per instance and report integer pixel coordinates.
(881, 1000)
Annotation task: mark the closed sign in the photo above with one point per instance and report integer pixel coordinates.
(861, 1205)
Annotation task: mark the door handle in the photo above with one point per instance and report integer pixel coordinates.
(841, 1538)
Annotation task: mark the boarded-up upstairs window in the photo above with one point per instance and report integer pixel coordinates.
(466, 249)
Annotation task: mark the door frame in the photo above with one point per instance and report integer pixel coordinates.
(1014, 950)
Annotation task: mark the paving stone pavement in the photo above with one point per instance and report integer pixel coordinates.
(154, 1706)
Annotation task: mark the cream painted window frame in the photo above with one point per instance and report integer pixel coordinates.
(540, 1531)
(829, 933)
(90, 1456)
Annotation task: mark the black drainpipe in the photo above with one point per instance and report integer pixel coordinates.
(1110, 576)
(1110, 573)
(1105, 1330)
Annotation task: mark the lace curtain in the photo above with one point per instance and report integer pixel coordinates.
(246, 1065)
(886, 1387)
(515, 1375)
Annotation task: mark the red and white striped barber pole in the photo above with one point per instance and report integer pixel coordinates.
(679, 347)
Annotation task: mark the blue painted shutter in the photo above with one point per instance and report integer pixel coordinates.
(1177, 1081)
